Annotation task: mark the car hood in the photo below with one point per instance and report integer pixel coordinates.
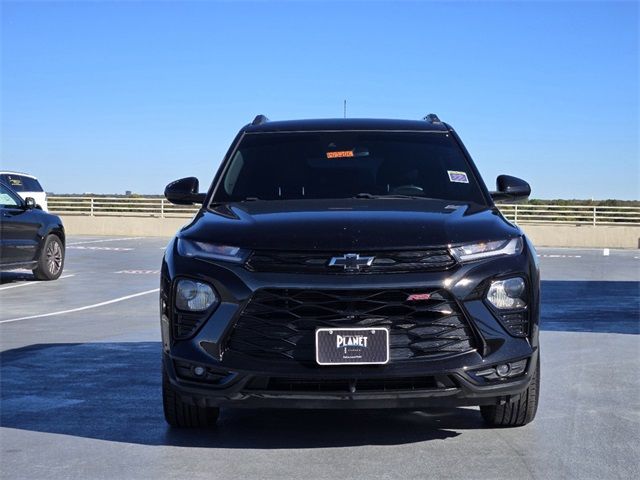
(347, 225)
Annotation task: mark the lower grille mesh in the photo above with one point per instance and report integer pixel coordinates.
(281, 323)
(350, 385)
(517, 323)
(185, 324)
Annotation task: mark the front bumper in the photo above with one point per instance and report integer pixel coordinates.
(459, 388)
(245, 382)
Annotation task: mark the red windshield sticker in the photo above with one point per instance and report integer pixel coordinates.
(417, 297)
(340, 154)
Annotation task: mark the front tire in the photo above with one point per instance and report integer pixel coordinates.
(51, 259)
(517, 413)
(179, 414)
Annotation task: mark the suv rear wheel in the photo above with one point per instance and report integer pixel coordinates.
(51, 259)
(183, 415)
(517, 413)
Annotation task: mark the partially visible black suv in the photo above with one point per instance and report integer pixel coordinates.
(349, 264)
(29, 237)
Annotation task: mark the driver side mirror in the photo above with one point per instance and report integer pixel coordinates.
(510, 188)
(30, 203)
(184, 192)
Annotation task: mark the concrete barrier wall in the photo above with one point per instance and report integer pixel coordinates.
(127, 226)
(588, 236)
(542, 235)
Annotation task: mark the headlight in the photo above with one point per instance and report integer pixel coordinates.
(194, 296)
(195, 249)
(507, 294)
(477, 251)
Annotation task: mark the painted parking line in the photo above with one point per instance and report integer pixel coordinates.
(139, 272)
(32, 282)
(79, 309)
(548, 255)
(105, 240)
(581, 249)
(115, 249)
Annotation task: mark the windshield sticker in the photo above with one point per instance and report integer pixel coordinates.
(340, 154)
(457, 177)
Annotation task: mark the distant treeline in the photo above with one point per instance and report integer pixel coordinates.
(534, 201)
(594, 203)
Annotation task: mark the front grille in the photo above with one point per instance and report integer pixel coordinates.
(281, 323)
(318, 262)
(346, 385)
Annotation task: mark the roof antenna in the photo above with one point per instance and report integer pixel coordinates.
(345, 109)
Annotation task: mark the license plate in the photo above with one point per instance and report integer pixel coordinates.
(352, 346)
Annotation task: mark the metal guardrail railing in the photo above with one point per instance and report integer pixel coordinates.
(518, 213)
(118, 206)
(571, 214)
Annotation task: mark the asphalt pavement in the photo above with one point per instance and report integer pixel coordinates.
(80, 388)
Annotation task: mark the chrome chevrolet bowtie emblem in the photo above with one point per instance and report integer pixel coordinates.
(351, 262)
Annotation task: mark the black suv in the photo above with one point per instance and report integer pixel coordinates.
(349, 263)
(29, 237)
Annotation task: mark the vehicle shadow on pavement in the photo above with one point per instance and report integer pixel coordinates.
(16, 276)
(111, 391)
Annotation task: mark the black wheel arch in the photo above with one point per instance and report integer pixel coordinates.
(58, 232)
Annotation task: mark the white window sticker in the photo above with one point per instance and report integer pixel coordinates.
(457, 177)
(5, 199)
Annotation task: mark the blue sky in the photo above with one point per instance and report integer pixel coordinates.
(112, 96)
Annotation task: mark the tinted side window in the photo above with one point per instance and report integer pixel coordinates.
(21, 183)
(8, 199)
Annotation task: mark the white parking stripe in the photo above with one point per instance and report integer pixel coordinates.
(139, 272)
(105, 240)
(26, 284)
(114, 249)
(79, 309)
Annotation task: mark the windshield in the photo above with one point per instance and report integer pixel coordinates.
(20, 183)
(345, 164)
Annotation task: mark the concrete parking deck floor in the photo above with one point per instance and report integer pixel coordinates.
(80, 388)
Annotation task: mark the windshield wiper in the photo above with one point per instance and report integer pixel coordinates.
(366, 195)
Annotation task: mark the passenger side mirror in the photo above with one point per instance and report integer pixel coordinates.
(30, 203)
(510, 188)
(184, 192)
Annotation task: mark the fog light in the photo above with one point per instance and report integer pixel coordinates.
(193, 296)
(502, 371)
(507, 294)
(199, 371)
(514, 287)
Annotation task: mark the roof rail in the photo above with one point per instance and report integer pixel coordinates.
(259, 120)
(432, 118)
